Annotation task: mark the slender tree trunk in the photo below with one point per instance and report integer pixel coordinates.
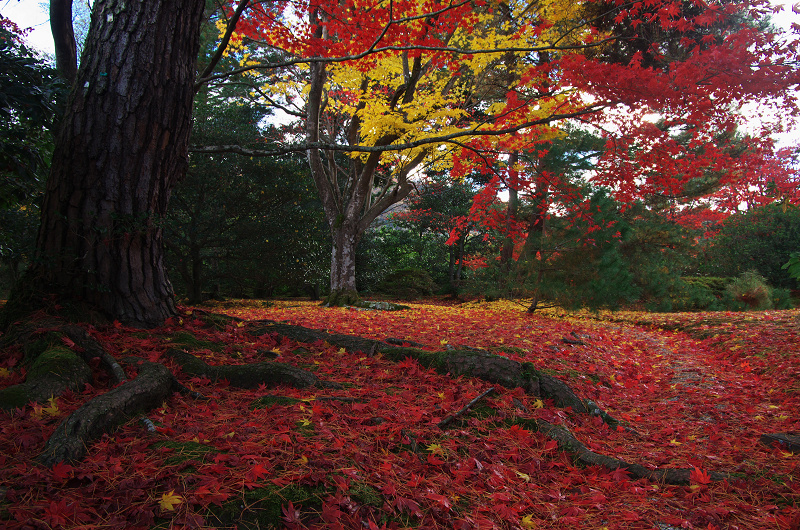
(122, 146)
(196, 285)
(507, 283)
(64, 39)
(533, 249)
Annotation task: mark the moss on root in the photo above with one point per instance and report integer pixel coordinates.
(341, 298)
(187, 341)
(52, 372)
(473, 363)
(261, 507)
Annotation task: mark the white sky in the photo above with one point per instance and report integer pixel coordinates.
(31, 14)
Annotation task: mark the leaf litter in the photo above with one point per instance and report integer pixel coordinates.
(691, 390)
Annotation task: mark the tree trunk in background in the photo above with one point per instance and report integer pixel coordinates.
(343, 265)
(507, 264)
(122, 147)
(64, 39)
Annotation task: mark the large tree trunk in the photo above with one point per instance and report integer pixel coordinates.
(343, 262)
(122, 146)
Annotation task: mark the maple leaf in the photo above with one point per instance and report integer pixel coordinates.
(436, 449)
(441, 499)
(52, 407)
(291, 515)
(699, 476)
(61, 471)
(169, 501)
(56, 513)
(257, 472)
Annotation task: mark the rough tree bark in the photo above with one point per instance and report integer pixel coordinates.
(122, 146)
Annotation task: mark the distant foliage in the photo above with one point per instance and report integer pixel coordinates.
(697, 294)
(792, 267)
(762, 240)
(749, 290)
(30, 96)
(408, 284)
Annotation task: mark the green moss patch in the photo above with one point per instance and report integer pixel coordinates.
(366, 495)
(187, 341)
(261, 507)
(270, 401)
(184, 451)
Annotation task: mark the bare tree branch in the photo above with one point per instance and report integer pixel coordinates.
(222, 45)
(443, 139)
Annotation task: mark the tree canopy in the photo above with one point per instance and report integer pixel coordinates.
(382, 91)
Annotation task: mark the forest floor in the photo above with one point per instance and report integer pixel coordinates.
(690, 390)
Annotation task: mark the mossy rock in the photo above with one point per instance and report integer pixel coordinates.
(52, 372)
(270, 401)
(260, 508)
(184, 451)
(187, 341)
(56, 360)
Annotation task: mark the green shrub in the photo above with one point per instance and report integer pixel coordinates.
(408, 284)
(717, 286)
(751, 289)
(782, 299)
(696, 294)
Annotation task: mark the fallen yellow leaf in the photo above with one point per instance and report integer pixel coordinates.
(527, 522)
(169, 501)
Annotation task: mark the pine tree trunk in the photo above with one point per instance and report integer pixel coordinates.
(122, 147)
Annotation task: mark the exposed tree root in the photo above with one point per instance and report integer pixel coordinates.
(57, 356)
(567, 442)
(155, 383)
(788, 441)
(90, 348)
(247, 375)
(506, 372)
(106, 411)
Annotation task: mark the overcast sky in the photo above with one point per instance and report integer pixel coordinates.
(30, 14)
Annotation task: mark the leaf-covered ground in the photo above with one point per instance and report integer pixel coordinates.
(693, 390)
